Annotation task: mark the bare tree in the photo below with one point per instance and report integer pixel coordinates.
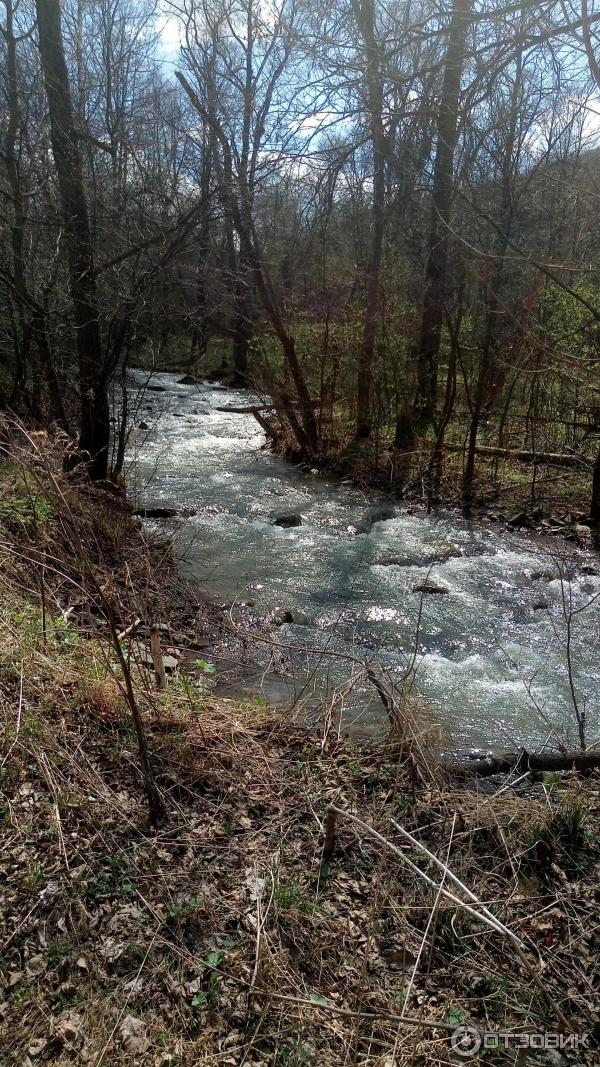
(94, 432)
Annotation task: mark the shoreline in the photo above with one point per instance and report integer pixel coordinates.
(574, 524)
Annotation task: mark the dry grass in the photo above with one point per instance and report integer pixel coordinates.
(224, 935)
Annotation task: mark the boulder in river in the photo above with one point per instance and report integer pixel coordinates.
(287, 521)
(582, 532)
(394, 561)
(155, 513)
(282, 616)
(376, 513)
(521, 519)
(428, 586)
(188, 379)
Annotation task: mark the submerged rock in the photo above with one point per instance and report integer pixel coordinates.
(394, 561)
(287, 521)
(430, 587)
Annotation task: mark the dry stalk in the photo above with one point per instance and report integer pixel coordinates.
(483, 915)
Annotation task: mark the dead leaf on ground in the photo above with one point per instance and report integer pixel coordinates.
(68, 1028)
(132, 1032)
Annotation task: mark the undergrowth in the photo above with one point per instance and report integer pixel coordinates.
(226, 936)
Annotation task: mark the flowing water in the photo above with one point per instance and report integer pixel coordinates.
(491, 661)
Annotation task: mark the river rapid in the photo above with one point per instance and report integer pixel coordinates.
(491, 664)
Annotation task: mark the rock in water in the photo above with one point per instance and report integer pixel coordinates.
(155, 513)
(287, 521)
(375, 513)
(521, 519)
(430, 587)
(582, 532)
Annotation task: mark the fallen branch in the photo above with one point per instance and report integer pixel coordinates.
(521, 763)
(549, 459)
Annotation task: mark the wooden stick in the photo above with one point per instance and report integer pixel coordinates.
(330, 826)
(157, 659)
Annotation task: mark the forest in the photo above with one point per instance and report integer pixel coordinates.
(381, 217)
(299, 521)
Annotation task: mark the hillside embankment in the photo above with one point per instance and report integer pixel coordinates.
(191, 879)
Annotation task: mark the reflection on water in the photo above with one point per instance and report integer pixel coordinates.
(491, 651)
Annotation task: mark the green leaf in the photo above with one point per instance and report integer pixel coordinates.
(316, 998)
(215, 958)
(205, 666)
(200, 1000)
(458, 1016)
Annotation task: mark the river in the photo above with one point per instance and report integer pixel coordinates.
(491, 664)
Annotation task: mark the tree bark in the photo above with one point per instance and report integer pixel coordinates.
(428, 347)
(488, 368)
(595, 504)
(94, 429)
(549, 459)
(365, 17)
(521, 762)
(305, 431)
(22, 336)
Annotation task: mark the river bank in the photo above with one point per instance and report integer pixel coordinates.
(245, 929)
(560, 495)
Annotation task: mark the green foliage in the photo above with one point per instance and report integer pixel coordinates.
(113, 879)
(25, 506)
(205, 666)
(561, 839)
(295, 1053)
(458, 1016)
(184, 909)
(208, 996)
(291, 895)
(57, 951)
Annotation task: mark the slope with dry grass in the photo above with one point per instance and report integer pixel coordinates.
(227, 935)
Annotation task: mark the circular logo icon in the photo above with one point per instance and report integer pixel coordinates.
(466, 1041)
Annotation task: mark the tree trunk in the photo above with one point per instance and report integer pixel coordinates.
(487, 381)
(595, 504)
(306, 430)
(428, 347)
(522, 762)
(94, 431)
(365, 17)
(23, 331)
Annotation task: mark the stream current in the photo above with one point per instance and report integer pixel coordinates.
(491, 662)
